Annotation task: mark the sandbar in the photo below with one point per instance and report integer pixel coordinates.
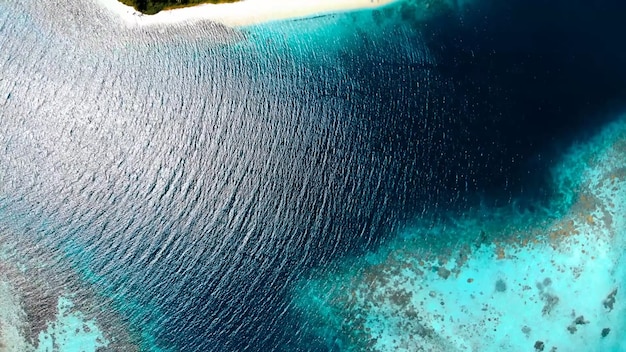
(239, 14)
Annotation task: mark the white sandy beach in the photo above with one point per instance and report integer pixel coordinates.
(243, 13)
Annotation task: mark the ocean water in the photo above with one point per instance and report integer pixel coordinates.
(179, 184)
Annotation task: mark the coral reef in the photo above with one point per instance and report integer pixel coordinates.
(505, 281)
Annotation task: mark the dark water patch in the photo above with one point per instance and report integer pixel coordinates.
(542, 75)
(487, 115)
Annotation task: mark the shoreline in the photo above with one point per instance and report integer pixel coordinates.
(239, 14)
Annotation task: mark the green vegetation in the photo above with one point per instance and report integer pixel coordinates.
(150, 7)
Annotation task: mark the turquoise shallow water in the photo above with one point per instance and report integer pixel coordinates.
(495, 279)
(179, 185)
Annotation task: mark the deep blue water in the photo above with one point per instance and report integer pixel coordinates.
(195, 181)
